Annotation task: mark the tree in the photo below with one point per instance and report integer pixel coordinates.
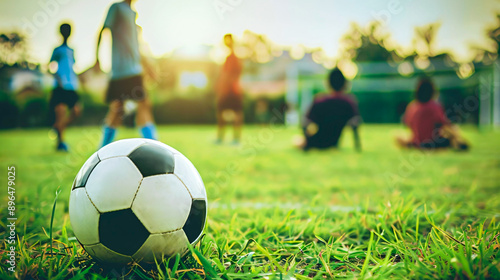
(494, 34)
(425, 39)
(367, 44)
(489, 53)
(13, 48)
(256, 47)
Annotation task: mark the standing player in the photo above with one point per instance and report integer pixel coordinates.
(64, 95)
(126, 73)
(229, 95)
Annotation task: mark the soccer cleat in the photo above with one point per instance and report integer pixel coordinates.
(235, 143)
(62, 147)
(462, 147)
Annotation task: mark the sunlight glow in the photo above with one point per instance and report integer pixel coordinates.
(195, 79)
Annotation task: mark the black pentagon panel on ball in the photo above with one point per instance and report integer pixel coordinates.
(122, 232)
(83, 175)
(153, 159)
(196, 220)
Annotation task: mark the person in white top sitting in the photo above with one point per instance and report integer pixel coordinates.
(126, 73)
(64, 96)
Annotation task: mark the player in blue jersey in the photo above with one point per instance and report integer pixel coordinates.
(64, 96)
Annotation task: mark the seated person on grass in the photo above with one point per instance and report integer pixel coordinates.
(328, 116)
(427, 120)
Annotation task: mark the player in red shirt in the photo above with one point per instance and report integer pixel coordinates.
(229, 95)
(427, 120)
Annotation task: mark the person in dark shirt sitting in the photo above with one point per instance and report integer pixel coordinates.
(328, 116)
(430, 127)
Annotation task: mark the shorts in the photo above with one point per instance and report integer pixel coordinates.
(60, 95)
(230, 102)
(131, 88)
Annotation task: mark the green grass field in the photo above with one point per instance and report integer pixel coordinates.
(279, 213)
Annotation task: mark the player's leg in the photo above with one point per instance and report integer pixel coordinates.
(238, 123)
(455, 139)
(115, 114)
(304, 142)
(60, 124)
(220, 126)
(299, 141)
(357, 139)
(144, 119)
(113, 120)
(403, 142)
(75, 113)
(75, 109)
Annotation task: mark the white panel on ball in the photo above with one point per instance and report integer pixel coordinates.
(113, 183)
(188, 174)
(162, 245)
(100, 252)
(84, 217)
(120, 148)
(162, 203)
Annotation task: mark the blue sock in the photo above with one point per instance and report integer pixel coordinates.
(108, 135)
(149, 131)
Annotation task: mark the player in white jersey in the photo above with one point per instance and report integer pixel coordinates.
(126, 73)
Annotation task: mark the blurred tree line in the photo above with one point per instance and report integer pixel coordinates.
(19, 107)
(372, 43)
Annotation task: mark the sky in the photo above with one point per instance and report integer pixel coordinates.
(168, 24)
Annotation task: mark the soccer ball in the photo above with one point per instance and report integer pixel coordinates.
(137, 200)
